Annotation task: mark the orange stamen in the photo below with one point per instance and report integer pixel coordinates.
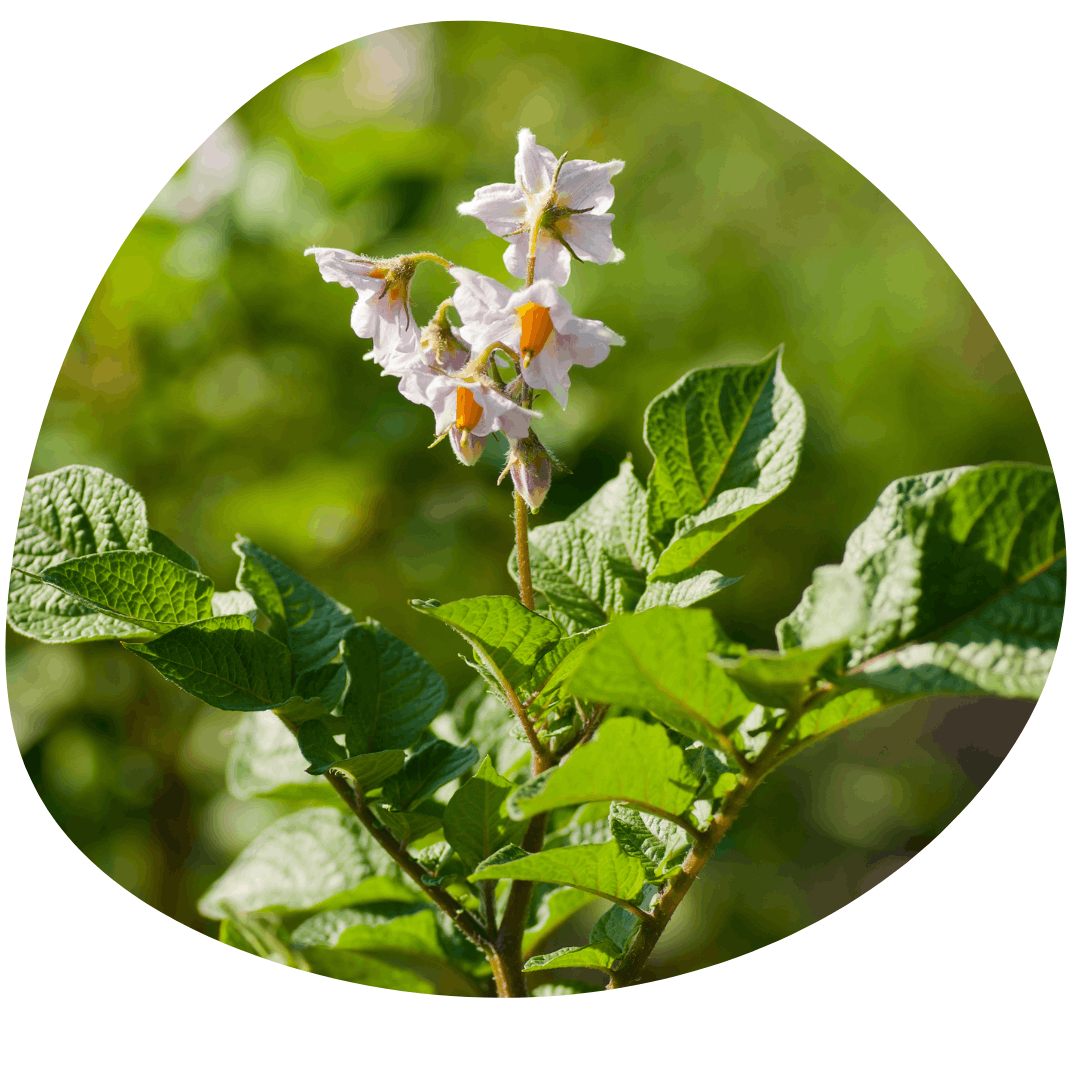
(536, 327)
(468, 412)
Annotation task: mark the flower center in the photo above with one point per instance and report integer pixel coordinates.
(468, 412)
(536, 327)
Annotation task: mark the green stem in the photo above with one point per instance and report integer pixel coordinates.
(521, 529)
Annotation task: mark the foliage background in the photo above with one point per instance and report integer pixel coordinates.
(216, 372)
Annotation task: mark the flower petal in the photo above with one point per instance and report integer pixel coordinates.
(501, 207)
(347, 269)
(590, 237)
(585, 184)
(534, 166)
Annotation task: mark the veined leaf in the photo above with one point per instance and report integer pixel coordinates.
(313, 860)
(629, 760)
(66, 514)
(683, 589)
(393, 693)
(311, 623)
(603, 869)
(223, 661)
(964, 579)
(476, 823)
(236, 602)
(656, 843)
(369, 970)
(138, 587)
(617, 516)
(264, 760)
(559, 905)
(367, 771)
(608, 941)
(779, 680)
(658, 661)
(407, 929)
(426, 771)
(726, 442)
(510, 639)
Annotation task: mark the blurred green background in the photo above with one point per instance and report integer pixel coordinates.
(216, 372)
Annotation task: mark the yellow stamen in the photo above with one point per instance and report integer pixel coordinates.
(536, 327)
(468, 412)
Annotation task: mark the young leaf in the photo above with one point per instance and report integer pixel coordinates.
(412, 931)
(368, 970)
(420, 830)
(393, 693)
(683, 589)
(964, 578)
(138, 587)
(617, 516)
(603, 869)
(476, 823)
(658, 661)
(313, 860)
(311, 623)
(160, 543)
(628, 760)
(427, 770)
(510, 639)
(223, 661)
(779, 680)
(726, 442)
(318, 747)
(608, 941)
(315, 694)
(66, 514)
(264, 760)
(368, 771)
(657, 844)
(555, 909)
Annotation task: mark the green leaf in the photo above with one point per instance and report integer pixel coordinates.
(556, 908)
(564, 988)
(393, 694)
(368, 771)
(391, 927)
(138, 587)
(426, 771)
(840, 710)
(554, 668)
(683, 589)
(659, 845)
(658, 661)
(420, 830)
(66, 514)
(608, 941)
(617, 516)
(236, 602)
(576, 576)
(510, 639)
(223, 661)
(316, 859)
(964, 579)
(629, 760)
(315, 694)
(160, 543)
(779, 680)
(311, 623)
(264, 760)
(603, 869)
(368, 970)
(318, 747)
(482, 718)
(476, 823)
(726, 442)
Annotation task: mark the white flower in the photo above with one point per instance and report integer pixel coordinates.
(535, 321)
(382, 310)
(570, 200)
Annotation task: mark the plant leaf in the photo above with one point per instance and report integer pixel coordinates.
(555, 909)
(236, 602)
(74, 511)
(510, 640)
(683, 589)
(427, 770)
(393, 692)
(603, 869)
(138, 587)
(656, 843)
(316, 859)
(368, 970)
(160, 543)
(311, 623)
(414, 932)
(629, 760)
(726, 442)
(476, 823)
(223, 661)
(658, 661)
(964, 579)
(617, 515)
(779, 680)
(264, 760)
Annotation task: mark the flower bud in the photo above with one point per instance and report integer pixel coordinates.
(467, 446)
(529, 465)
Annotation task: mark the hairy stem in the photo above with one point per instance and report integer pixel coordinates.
(521, 525)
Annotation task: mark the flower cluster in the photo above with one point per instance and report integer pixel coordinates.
(482, 376)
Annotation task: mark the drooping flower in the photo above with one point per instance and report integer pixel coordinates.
(535, 321)
(569, 202)
(382, 310)
(529, 465)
